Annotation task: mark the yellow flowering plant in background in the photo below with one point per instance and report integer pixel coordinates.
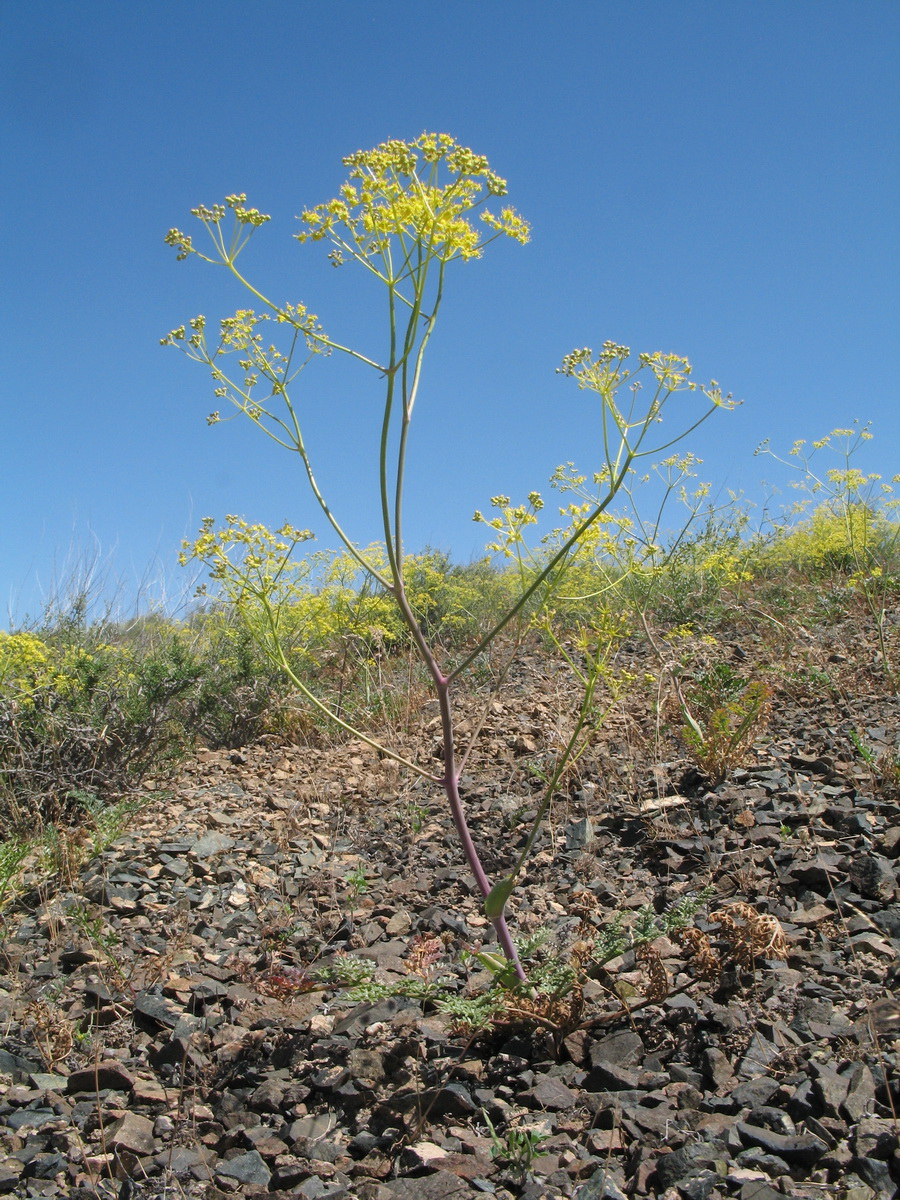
(846, 522)
(406, 213)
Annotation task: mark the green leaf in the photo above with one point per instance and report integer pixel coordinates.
(496, 900)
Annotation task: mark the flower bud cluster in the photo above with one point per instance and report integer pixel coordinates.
(418, 192)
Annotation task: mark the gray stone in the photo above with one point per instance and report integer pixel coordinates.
(439, 1186)
(717, 1067)
(699, 1184)
(454, 1100)
(798, 1149)
(855, 1189)
(210, 843)
(873, 876)
(315, 1188)
(877, 1175)
(330, 1079)
(47, 1082)
(608, 1106)
(553, 1095)
(246, 1168)
(9, 1177)
(657, 1121)
(754, 1092)
(182, 1159)
(802, 1103)
(267, 1097)
(365, 1064)
(607, 1077)
(579, 834)
(133, 1132)
(16, 1066)
(289, 1170)
(888, 920)
(315, 1126)
(622, 1049)
(759, 1160)
(156, 1009)
(399, 924)
(860, 1099)
(758, 1057)
(682, 1073)
(875, 1137)
(34, 1117)
(46, 1166)
(829, 1088)
(768, 1117)
(757, 1190)
(321, 1150)
(363, 1143)
(389, 956)
(600, 1186)
(687, 1161)
(822, 1131)
(365, 1015)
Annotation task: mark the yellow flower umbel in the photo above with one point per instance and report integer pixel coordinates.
(403, 200)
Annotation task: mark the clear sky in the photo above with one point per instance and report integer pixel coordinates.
(712, 177)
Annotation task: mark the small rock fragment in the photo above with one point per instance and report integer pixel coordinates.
(132, 1132)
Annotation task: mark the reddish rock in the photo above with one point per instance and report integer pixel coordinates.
(101, 1077)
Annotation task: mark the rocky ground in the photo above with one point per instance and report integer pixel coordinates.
(164, 1032)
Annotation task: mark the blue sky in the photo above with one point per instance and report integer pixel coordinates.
(715, 179)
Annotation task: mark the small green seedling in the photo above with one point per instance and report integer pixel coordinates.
(518, 1149)
(357, 883)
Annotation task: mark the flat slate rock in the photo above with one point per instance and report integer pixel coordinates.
(246, 1168)
(439, 1186)
(104, 1075)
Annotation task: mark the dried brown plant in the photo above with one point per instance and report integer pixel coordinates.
(750, 933)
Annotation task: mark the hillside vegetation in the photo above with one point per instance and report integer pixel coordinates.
(89, 708)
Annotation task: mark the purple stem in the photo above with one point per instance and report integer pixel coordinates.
(451, 787)
(450, 778)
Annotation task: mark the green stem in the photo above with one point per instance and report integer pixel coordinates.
(322, 339)
(394, 561)
(554, 562)
(409, 400)
(277, 653)
(564, 761)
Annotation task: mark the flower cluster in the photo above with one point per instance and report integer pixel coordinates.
(608, 371)
(257, 358)
(262, 563)
(511, 522)
(422, 193)
(212, 218)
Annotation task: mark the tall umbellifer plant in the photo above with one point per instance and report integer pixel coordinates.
(407, 212)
